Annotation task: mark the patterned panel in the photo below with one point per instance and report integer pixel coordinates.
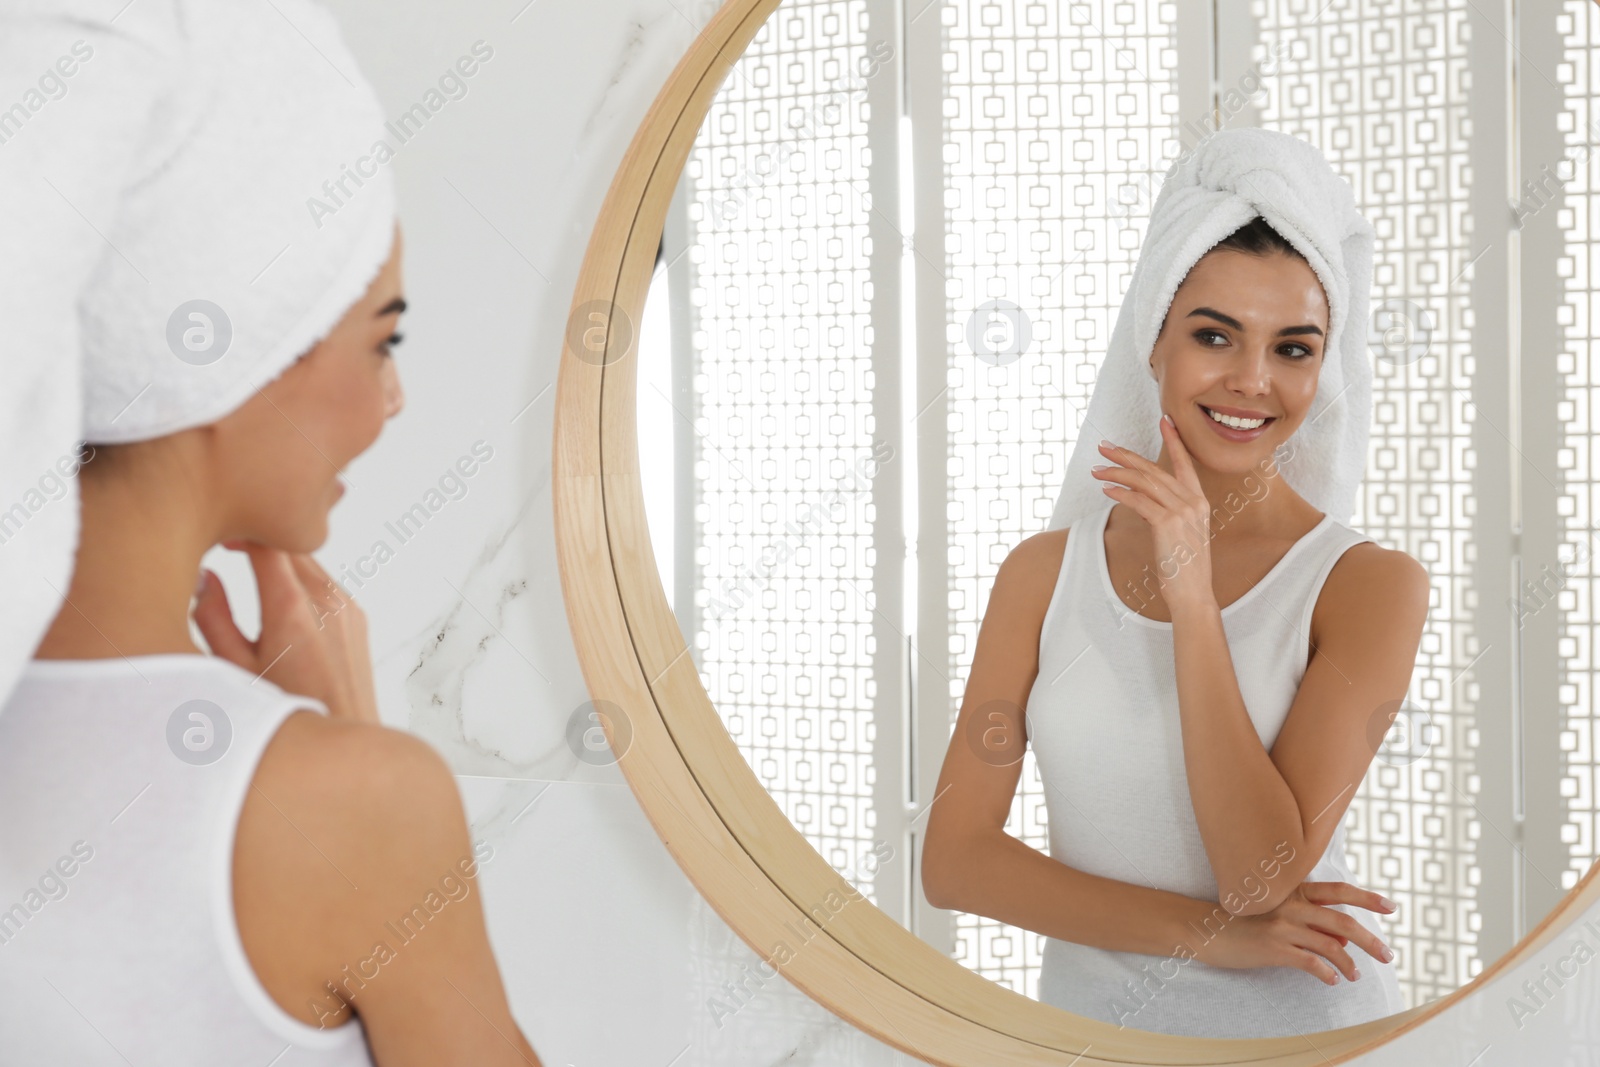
(1576, 586)
(1395, 126)
(1056, 118)
(782, 375)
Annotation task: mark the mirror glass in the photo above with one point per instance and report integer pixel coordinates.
(886, 281)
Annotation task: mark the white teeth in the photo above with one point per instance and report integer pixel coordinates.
(1237, 424)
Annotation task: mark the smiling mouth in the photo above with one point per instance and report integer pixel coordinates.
(1233, 423)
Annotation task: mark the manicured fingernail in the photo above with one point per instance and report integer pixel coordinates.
(1106, 444)
(1101, 467)
(1387, 953)
(1386, 902)
(1355, 972)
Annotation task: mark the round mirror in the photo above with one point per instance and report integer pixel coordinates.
(890, 258)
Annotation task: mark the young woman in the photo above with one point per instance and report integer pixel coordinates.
(219, 855)
(256, 863)
(1199, 665)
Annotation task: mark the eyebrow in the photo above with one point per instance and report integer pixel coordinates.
(398, 304)
(1287, 331)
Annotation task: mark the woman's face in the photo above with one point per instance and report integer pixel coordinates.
(1244, 336)
(283, 449)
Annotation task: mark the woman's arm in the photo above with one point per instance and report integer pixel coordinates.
(969, 862)
(354, 878)
(1003, 878)
(1367, 629)
(355, 887)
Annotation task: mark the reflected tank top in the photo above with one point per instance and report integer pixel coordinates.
(121, 783)
(1103, 721)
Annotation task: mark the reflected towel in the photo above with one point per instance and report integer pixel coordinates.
(1229, 178)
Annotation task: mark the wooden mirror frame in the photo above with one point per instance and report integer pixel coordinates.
(730, 837)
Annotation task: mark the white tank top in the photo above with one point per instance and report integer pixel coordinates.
(1103, 721)
(121, 782)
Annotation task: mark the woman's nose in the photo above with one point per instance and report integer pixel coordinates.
(394, 397)
(1250, 374)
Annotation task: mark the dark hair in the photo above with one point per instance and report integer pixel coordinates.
(119, 460)
(1257, 238)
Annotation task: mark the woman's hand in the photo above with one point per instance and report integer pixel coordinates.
(313, 635)
(1302, 932)
(1177, 510)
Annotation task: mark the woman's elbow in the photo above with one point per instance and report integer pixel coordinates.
(936, 872)
(1261, 888)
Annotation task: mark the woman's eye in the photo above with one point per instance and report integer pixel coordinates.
(1292, 351)
(392, 340)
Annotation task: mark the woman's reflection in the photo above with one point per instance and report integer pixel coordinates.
(1205, 664)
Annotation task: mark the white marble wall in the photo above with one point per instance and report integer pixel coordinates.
(609, 953)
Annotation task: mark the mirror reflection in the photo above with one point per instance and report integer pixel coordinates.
(886, 292)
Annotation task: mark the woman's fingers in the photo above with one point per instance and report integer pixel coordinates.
(1182, 465)
(287, 613)
(215, 619)
(1345, 893)
(1138, 481)
(305, 612)
(1315, 966)
(1346, 929)
(1146, 473)
(1328, 949)
(348, 635)
(287, 581)
(278, 587)
(326, 597)
(315, 568)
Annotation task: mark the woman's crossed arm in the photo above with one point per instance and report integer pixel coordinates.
(971, 864)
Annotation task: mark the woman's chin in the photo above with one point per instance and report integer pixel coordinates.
(1237, 457)
(308, 536)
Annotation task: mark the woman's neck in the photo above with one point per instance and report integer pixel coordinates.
(139, 550)
(1255, 504)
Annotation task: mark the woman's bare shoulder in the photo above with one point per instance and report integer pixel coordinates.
(309, 747)
(372, 773)
(1367, 574)
(1039, 554)
(1027, 576)
(1367, 569)
(339, 815)
(1037, 557)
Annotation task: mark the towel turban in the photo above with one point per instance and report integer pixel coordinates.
(1228, 178)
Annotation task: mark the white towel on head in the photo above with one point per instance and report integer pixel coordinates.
(1227, 179)
(101, 110)
(84, 90)
(261, 209)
